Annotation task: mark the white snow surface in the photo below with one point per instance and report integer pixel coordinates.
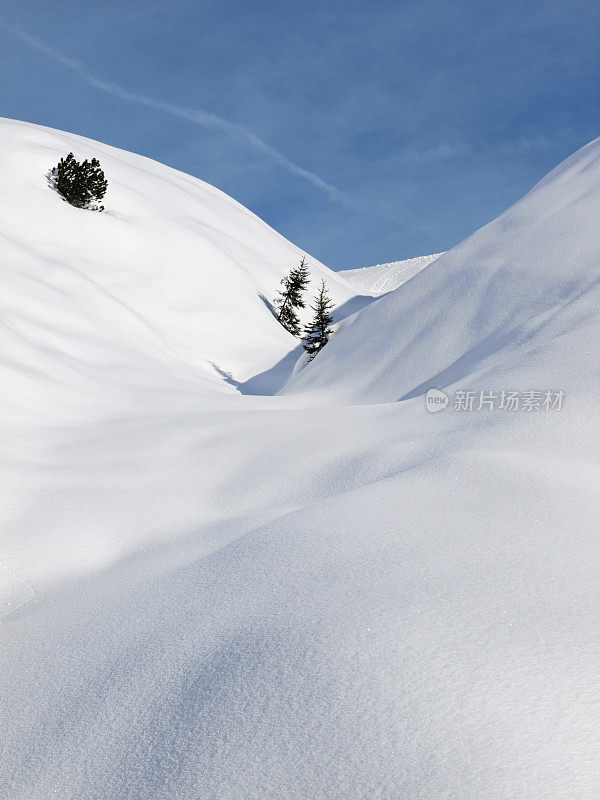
(384, 278)
(320, 591)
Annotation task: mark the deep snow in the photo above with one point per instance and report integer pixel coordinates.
(383, 278)
(327, 592)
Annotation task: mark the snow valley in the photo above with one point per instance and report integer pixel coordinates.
(230, 573)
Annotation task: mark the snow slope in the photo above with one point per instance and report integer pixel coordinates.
(323, 593)
(383, 278)
(178, 267)
(514, 302)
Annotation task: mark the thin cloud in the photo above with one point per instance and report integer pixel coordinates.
(198, 117)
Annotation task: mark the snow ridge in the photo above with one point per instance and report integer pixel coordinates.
(383, 278)
(215, 587)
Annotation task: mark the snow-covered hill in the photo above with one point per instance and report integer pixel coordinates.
(383, 278)
(324, 592)
(173, 271)
(509, 306)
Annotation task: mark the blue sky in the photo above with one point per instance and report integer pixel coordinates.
(363, 132)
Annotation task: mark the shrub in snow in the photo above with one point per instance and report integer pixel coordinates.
(316, 335)
(290, 298)
(80, 184)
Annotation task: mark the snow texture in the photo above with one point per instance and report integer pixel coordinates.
(226, 587)
(383, 278)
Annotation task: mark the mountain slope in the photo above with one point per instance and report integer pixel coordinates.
(169, 277)
(526, 283)
(383, 278)
(324, 593)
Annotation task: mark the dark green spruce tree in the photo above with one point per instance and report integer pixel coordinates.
(317, 333)
(83, 184)
(291, 298)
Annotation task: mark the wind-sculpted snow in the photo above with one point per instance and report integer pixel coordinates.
(384, 278)
(180, 270)
(514, 302)
(326, 593)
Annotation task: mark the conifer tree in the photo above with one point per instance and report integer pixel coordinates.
(291, 298)
(317, 333)
(80, 184)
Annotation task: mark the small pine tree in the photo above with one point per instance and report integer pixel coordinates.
(317, 333)
(291, 298)
(80, 184)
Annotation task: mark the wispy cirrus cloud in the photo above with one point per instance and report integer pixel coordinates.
(196, 116)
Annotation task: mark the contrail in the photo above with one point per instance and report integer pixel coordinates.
(198, 117)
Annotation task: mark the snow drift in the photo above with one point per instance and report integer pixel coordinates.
(324, 593)
(526, 284)
(383, 278)
(179, 269)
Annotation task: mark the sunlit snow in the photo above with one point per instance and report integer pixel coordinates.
(238, 577)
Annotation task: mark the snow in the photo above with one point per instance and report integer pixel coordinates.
(320, 591)
(383, 278)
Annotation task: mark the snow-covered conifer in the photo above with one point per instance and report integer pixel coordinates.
(291, 298)
(317, 333)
